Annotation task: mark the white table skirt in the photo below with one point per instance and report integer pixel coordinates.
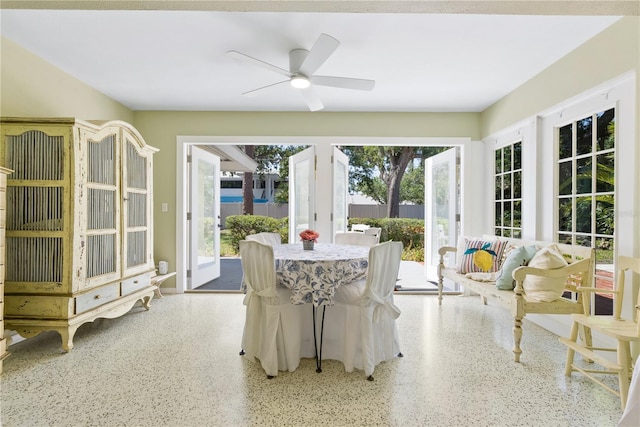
(314, 275)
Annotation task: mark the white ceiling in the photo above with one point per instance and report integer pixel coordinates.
(175, 60)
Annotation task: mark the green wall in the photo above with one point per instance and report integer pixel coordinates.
(160, 129)
(611, 53)
(32, 87)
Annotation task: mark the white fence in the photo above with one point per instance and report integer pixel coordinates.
(275, 210)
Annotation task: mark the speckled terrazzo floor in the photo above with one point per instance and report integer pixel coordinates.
(178, 365)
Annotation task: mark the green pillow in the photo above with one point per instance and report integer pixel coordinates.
(517, 257)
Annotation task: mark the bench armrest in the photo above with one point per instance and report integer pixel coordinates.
(444, 249)
(442, 252)
(580, 267)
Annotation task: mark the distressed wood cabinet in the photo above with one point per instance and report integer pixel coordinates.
(3, 184)
(79, 224)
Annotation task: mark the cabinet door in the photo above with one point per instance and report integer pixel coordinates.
(37, 256)
(103, 208)
(136, 209)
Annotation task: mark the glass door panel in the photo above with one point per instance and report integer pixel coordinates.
(205, 218)
(301, 193)
(441, 208)
(340, 190)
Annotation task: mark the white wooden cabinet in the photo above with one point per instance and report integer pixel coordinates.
(3, 184)
(79, 226)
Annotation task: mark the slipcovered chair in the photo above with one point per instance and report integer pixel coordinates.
(266, 238)
(374, 231)
(622, 331)
(360, 329)
(273, 326)
(359, 239)
(359, 228)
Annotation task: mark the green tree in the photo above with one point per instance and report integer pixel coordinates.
(389, 175)
(412, 185)
(275, 159)
(373, 169)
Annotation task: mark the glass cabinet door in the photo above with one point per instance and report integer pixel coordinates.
(102, 208)
(135, 209)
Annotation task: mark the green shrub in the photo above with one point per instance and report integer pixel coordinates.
(243, 225)
(406, 230)
(415, 254)
(409, 231)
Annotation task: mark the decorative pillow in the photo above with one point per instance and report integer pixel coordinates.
(481, 256)
(518, 256)
(543, 288)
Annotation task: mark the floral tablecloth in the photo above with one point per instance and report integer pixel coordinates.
(313, 276)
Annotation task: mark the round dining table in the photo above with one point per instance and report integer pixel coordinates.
(314, 275)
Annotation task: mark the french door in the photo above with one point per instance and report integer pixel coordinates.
(204, 226)
(441, 207)
(314, 201)
(340, 173)
(301, 192)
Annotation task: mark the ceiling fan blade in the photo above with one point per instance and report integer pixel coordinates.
(312, 99)
(263, 88)
(259, 63)
(343, 82)
(321, 50)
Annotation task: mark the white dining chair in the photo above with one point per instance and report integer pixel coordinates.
(359, 228)
(273, 326)
(374, 231)
(266, 238)
(360, 328)
(359, 239)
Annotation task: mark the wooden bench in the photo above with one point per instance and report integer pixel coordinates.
(158, 279)
(579, 272)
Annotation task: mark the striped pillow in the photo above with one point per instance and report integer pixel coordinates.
(481, 256)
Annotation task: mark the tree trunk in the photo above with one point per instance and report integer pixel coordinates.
(398, 165)
(247, 185)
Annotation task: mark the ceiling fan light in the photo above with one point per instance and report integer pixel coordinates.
(300, 82)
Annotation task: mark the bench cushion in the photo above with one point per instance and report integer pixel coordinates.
(546, 288)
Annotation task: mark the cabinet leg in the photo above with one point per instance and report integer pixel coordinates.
(146, 301)
(67, 337)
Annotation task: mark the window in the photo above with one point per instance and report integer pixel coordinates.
(508, 191)
(236, 183)
(585, 191)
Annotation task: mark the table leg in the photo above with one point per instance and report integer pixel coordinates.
(315, 340)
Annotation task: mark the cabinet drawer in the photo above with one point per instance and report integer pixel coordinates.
(135, 283)
(96, 297)
(36, 306)
(3, 346)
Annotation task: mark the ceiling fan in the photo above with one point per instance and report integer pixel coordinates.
(302, 64)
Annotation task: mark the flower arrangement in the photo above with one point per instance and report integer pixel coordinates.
(309, 235)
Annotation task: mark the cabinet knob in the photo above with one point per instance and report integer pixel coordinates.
(97, 297)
